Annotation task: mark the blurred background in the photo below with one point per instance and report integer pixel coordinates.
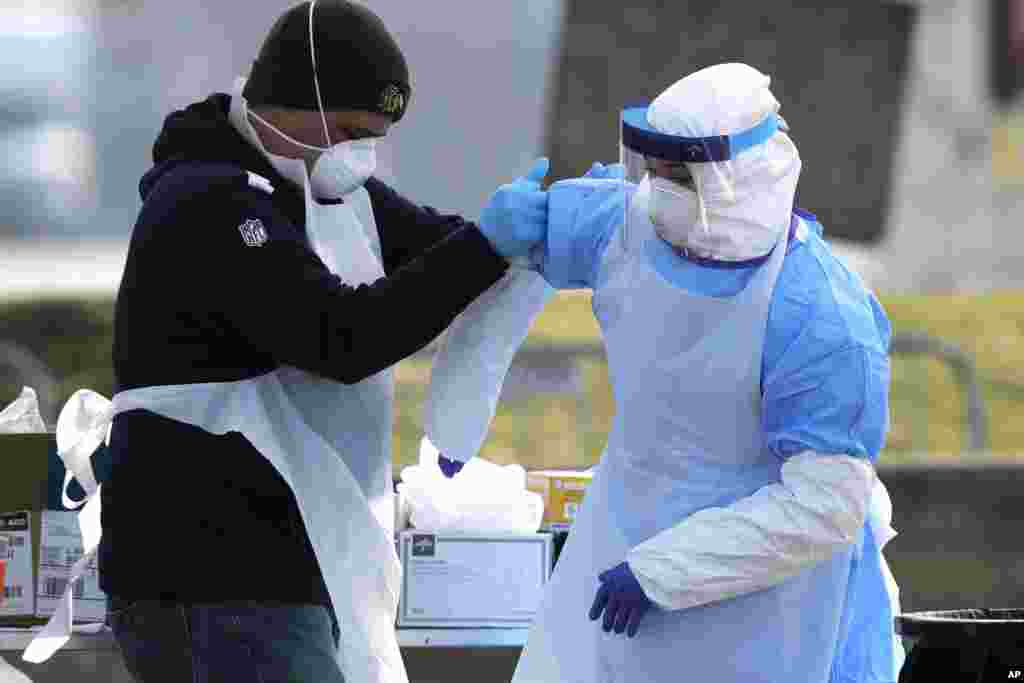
(908, 116)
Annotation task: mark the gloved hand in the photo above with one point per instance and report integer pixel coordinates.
(622, 599)
(516, 217)
(449, 467)
(606, 172)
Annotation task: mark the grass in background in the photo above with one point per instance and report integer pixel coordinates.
(928, 415)
(990, 329)
(1008, 150)
(73, 338)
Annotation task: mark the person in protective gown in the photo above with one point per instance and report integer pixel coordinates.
(734, 527)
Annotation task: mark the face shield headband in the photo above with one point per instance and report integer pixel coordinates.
(639, 137)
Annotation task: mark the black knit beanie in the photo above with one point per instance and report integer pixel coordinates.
(358, 63)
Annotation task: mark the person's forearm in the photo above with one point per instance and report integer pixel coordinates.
(819, 507)
(407, 230)
(404, 312)
(285, 302)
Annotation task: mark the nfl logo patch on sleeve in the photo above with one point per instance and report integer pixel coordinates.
(253, 232)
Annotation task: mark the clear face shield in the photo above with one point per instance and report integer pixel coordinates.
(681, 179)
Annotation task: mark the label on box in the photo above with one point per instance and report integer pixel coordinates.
(494, 581)
(60, 546)
(570, 511)
(563, 494)
(16, 598)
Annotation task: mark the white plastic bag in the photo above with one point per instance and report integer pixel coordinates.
(482, 498)
(8, 674)
(22, 416)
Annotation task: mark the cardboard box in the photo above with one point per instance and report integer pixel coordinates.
(32, 474)
(44, 540)
(473, 581)
(29, 467)
(562, 491)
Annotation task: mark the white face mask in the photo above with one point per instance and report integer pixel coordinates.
(344, 167)
(339, 169)
(719, 232)
(673, 208)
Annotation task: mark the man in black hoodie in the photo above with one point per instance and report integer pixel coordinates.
(224, 283)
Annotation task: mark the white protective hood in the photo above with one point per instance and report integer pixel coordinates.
(743, 203)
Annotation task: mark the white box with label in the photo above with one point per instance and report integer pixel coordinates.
(42, 546)
(472, 581)
(17, 596)
(60, 547)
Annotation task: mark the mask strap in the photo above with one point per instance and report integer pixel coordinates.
(730, 193)
(700, 203)
(316, 79)
(282, 133)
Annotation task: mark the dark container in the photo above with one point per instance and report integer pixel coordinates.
(963, 646)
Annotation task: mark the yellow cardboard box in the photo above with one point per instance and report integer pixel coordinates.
(562, 491)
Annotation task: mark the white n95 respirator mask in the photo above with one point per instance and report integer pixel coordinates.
(339, 169)
(672, 207)
(723, 231)
(344, 167)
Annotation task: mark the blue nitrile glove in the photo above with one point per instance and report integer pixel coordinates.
(449, 467)
(622, 599)
(606, 172)
(516, 217)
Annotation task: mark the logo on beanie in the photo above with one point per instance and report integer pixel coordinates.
(253, 232)
(392, 101)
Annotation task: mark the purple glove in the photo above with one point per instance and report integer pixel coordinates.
(449, 467)
(622, 599)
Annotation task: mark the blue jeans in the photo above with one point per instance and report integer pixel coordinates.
(246, 642)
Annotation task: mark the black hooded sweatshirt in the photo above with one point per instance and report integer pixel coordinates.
(197, 518)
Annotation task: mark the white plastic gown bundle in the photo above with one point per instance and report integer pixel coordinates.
(468, 372)
(474, 358)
